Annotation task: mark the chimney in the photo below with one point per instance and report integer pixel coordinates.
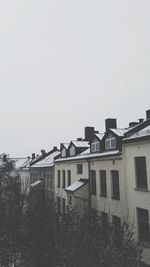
(54, 147)
(33, 156)
(141, 120)
(133, 123)
(89, 132)
(148, 114)
(79, 139)
(110, 123)
(43, 152)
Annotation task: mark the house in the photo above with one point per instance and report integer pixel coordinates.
(71, 175)
(111, 177)
(21, 171)
(136, 152)
(92, 178)
(42, 174)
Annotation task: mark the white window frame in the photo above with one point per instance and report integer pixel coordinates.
(63, 153)
(94, 146)
(108, 143)
(72, 151)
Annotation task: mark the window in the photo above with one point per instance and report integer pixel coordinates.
(63, 153)
(72, 151)
(143, 224)
(115, 185)
(63, 179)
(110, 143)
(116, 228)
(95, 146)
(93, 182)
(103, 185)
(79, 169)
(69, 178)
(58, 178)
(141, 173)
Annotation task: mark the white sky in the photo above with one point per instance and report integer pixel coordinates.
(67, 64)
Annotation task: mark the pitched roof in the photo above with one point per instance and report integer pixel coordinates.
(99, 135)
(76, 185)
(80, 143)
(142, 133)
(65, 145)
(119, 132)
(48, 161)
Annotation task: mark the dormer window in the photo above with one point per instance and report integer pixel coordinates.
(110, 143)
(72, 151)
(95, 146)
(63, 153)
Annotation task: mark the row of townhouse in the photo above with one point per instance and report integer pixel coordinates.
(108, 173)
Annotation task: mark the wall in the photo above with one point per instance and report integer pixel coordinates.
(136, 198)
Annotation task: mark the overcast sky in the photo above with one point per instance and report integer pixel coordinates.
(66, 64)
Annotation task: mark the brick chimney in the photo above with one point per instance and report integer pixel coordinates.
(110, 123)
(89, 132)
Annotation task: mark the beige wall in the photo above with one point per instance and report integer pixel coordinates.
(109, 205)
(60, 192)
(136, 198)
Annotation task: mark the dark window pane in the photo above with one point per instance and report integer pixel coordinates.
(103, 184)
(115, 185)
(141, 173)
(143, 224)
(93, 182)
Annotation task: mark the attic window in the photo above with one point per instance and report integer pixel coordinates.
(72, 151)
(110, 143)
(63, 153)
(95, 146)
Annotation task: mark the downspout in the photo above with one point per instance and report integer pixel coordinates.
(89, 178)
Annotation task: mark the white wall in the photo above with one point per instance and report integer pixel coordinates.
(136, 198)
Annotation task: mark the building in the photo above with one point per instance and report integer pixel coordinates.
(93, 178)
(111, 177)
(136, 150)
(42, 174)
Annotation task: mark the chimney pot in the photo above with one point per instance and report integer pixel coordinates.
(33, 156)
(43, 152)
(141, 120)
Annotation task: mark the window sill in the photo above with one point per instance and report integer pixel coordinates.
(115, 198)
(141, 189)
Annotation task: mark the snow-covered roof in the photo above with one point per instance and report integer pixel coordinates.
(35, 183)
(99, 135)
(142, 133)
(75, 186)
(119, 132)
(20, 163)
(94, 155)
(85, 152)
(80, 143)
(47, 161)
(65, 145)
